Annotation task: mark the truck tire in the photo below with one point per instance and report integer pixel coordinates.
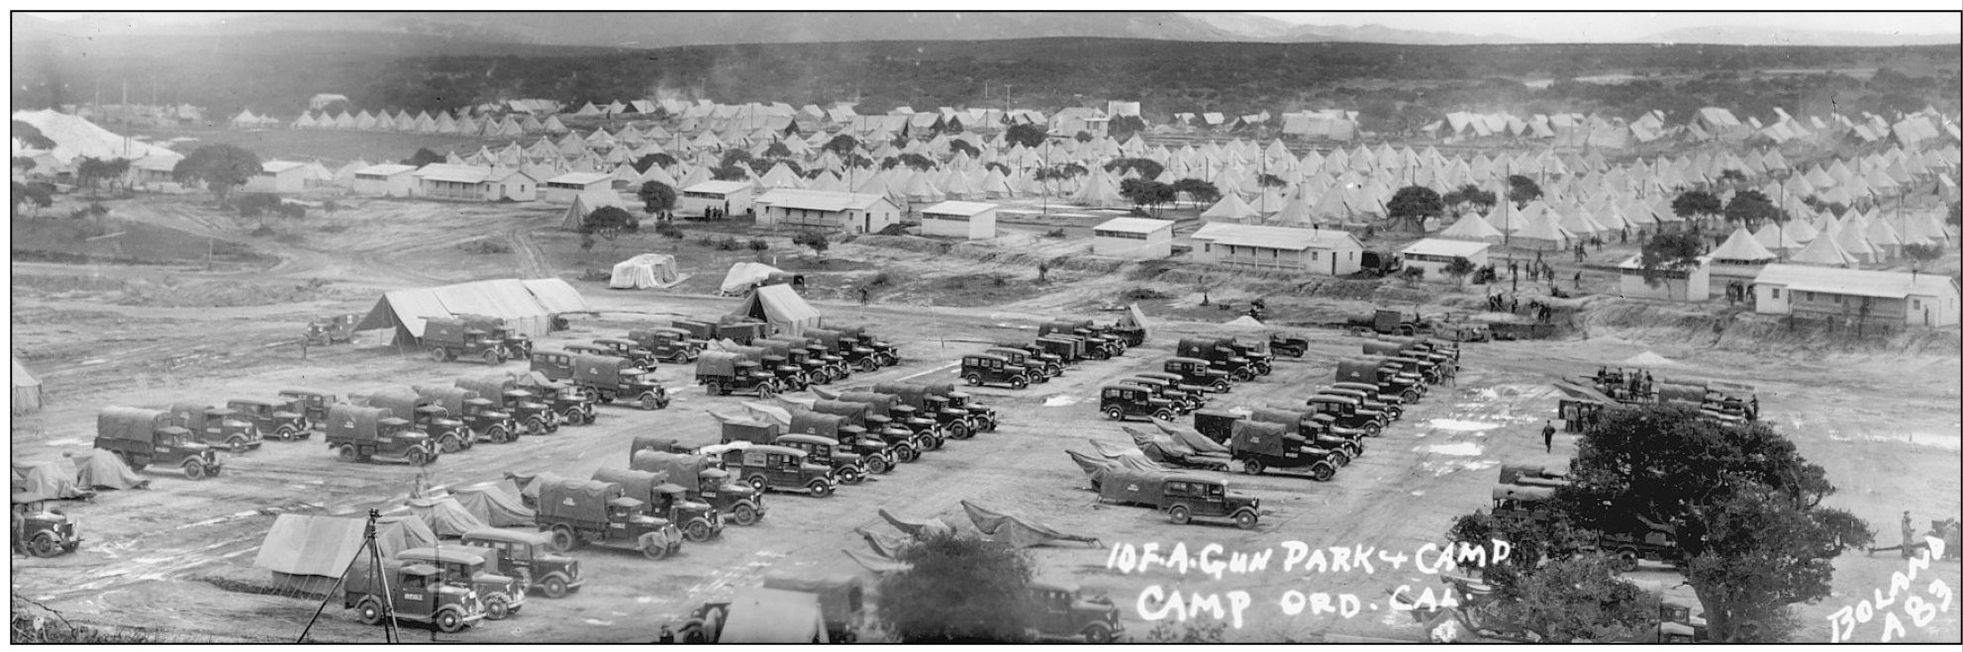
(194, 469)
(1253, 467)
(448, 444)
(697, 531)
(905, 453)
(743, 514)
(766, 391)
(887, 359)
(1114, 413)
(649, 402)
(868, 364)
(878, 466)
(286, 433)
(713, 388)
(563, 539)
(1097, 634)
(436, 355)
(44, 545)
(369, 612)
(758, 483)
(819, 488)
(850, 475)
(498, 435)
(1246, 519)
(1163, 414)
(1341, 457)
(496, 608)
(958, 430)
(1372, 430)
(417, 457)
(973, 380)
(448, 622)
(1180, 514)
(1220, 386)
(347, 453)
(1411, 396)
(554, 587)
(535, 426)
(1322, 472)
(1018, 382)
(492, 358)
(1626, 560)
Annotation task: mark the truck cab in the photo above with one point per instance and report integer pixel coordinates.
(671, 344)
(781, 468)
(463, 566)
(1348, 413)
(993, 369)
(358, 433)
(1062, 612)
(311, 404)
(722, 373)
(1200, 372)
(216, 426)
(43, 532)
(285, 419)
(412, 592)
(527, 555)
(849, 467)
(643, 358)
(1034, 366)
(1184, 402)
(1364, 405)
(698, 520)
(482, 416)
(141, 437)
(1119, 402)
(983, 417)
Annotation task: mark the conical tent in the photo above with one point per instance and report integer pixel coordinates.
(1474, 228)
(1230, 208)
(1824, 251)
(1741, 247)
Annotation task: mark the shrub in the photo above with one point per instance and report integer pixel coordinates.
(706, 240)
(757, 244)
(668, 230)
(727, 243)
(879, 279)
(485, 246)
(1139, 294)
(1053, 233)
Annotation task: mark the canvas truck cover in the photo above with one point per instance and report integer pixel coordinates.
(491, 387)
(774, 346)
(1075, 345)
(1357, 371)
(937, 389)
(46, 480)
(751, 430)
(599, 369)
(1017, 530)
(841, 596)
(700, 330)
(1125, 485)
(907, 394)
(361, 576)
(398, 532)
(684, 470)
(128, 423)
(529, 488)
(1259, 438)
(879, 403)
(639, 485)
(398, 402)
(759, 615)
(492, 504)
(1387, 347)
(852, 412)
(98, 469)
(1679, 391)
(748, 352)
(450, 398)
(716, 363)
(353, 421)
(1190, 437)
(306, 544)
(446, 331)
(1290, 420)
(648, 442)
(565, 498)
(445, 516)
(814, 423)
(829, 338)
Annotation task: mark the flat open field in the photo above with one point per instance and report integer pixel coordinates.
(1885, 427)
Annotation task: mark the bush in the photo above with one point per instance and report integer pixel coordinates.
(485, 246)
(879, 279)
(757, 244)
(262, 231)
(1053, 233)
(958, 590)
(727, 243)
(706, 240)
(1139, 294)
(668, 230)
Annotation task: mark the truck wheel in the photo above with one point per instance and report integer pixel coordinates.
(1097, 634)
(878, 466)
(1252, 467)
(974, 380)
(652, 547)
(1114, 413)
(1163, 414)
(448, 622)
(906, 453)
(1220, 386)
(417, 457)
(607, 397)
(498, 435)
(495, 608)
(436, 355)
(1411, 396)
(887, 359)
(286, 433)
(1626, 560)
(563, 539)
(554, 587)
(1018, 382)
(236, 443)
(743, 514)
(194, 469)
(1341, 457)
(649, 401)
(1246, 519)
(346, 453)
(492, 358)
(368, 612)
(849, 475)
(535, 426)
(697, 531)
(958, 430)
(1180, 514)
(820, 488)
(868, 364)
(449, 444)
(1372, 430)
(766, 391)
(1322, 472)
(758, 483)
(44, 545)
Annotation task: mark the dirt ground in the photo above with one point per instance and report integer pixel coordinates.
(1884, 426)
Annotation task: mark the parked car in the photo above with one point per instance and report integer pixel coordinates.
(528, 555)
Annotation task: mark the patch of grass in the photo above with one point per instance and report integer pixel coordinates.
(485, 246)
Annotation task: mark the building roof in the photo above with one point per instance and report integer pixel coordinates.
(1443, 247)
(718, 187)
(1270, 237)
(1856, 282)
(276, 167)
(454, 173)
(581, 178)
(967, 208)
(1134, 225)
(1635, 263)
(386, 169)
(819, 200)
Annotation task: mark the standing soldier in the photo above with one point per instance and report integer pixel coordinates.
(1547, 435)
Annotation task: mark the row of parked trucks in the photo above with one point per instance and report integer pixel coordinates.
(486, 575)
(768, 366)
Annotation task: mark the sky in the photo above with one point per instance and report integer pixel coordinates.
(1610, 27)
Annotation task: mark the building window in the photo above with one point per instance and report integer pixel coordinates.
(1915, 304)
(1775, 292)
(1315, 255)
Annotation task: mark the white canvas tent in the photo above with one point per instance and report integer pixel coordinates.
(744, 274)
(27, 390)
(645, 271)
(782, 308)
(525, 306)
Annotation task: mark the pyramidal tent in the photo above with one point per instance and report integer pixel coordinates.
(1474, 228)
(782, 308)
(1230, 208)
(588, 201)
(1824, 251)
(1741, 248)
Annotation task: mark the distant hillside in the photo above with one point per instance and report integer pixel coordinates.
(1757, 35)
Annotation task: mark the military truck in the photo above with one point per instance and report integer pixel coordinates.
(1180, 496)
(1185, 400)
(642, 357)
(848, 467)
(311, 404)
(42, 532)
(874, 456)
(665, 500)
(533, 416)
(993, 369)
(1068, 350)
(849, 350)
(721, 373)
(1094, 337)
(1039, 359)
(283, 418)
(1261, 446)
(885, 352)
(357, 433)
(1063, 613)
(792, 366)
(819, 352)
(503, 596)
(1032, 365)
(328, 331)
(1320, 429)
(906, 433)
(573, 405)
(898, 444)
(1288, 344)
(1388, 379)
(1256, 352)
(141, 437)
(447, 338)
(514, 345)
(704, 482)
(1349, 413)
(1367, 398)
(1219, 354)
(412, 592)
(778, 468)
(446, 433)
(668, 343)
(527, 555)
(608, 379)
(481, 418)
(578, 513)
(1200, 372)
(216, 426)
(951, 423)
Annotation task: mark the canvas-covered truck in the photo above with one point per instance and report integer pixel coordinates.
(481, 418)
(413, 592)
(577, 512)
(887, 353)
(503, 596)
(767, 468)
(448, 338)
(1063, 612)
(951, 422)
(1180, 496)
(1186, 400)
(572, 403)
(874, 456)
(533, 416)
(853, 353)
(357, 433)
(1368, 400)
(515, 346)
(1349, 413)
(1094, 336)
(311, 404)
(906, 432)
(216, 426)
(282, 418)
(668, 343)
(1068, 350)
(1319, 429)
(793, 368)
(721, 373)
(42, 532)
(1031, 365)
(610, 379)
(141, 437)
(699, 522)
(704, 482)
(1388, 379)
(624, 348)
(1219, 354)
(1050, 364)
(857, 422)
(445, 432)
(528, 556)
(1288, 344)
(1262, 446)
(1200, 372)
